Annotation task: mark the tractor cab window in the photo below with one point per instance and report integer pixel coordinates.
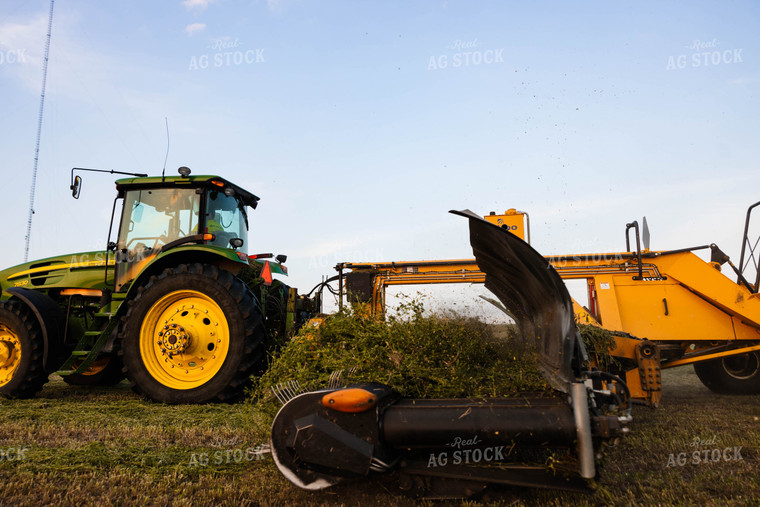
(150, 219)
(225, 219)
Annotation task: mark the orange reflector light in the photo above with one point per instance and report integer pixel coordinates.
(217, 183)
(208, 237)
(352, 400)
(266, 274)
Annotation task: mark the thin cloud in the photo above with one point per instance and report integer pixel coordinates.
(194, 28)
(23, 35)
(196, 4)
(27, 39)
(748, 80)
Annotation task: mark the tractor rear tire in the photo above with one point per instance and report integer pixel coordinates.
(106, 371)
(731, 375)
(22, 374)
(194, 334)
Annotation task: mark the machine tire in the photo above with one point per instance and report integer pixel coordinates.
(106, 371)
(194, 334)
(22, 374)
(731, 375)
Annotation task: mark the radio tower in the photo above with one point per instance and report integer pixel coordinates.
(39, 133)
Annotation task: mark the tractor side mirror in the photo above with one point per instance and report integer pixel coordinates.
(76, 188)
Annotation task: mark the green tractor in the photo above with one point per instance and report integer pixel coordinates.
(163, 304)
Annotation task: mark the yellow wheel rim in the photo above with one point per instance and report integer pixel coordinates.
(184, 339)
(10, 354)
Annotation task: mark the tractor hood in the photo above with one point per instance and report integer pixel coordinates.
(533, 294)
(82, 270)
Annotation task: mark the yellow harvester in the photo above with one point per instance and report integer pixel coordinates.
(666, 308)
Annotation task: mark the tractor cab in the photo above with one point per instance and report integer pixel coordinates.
(162, 213)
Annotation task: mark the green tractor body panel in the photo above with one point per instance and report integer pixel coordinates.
(83, 270)
(209, 254)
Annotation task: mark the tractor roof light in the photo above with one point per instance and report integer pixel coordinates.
(184, 171)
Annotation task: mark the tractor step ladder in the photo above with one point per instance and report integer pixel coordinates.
(85, 354)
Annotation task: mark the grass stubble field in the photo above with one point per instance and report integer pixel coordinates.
(98, 446)
(85, 446)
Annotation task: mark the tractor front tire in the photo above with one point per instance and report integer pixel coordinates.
(194, 334)
(731, 375)
(22, 374)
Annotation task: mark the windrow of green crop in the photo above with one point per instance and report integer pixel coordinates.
(419, 355)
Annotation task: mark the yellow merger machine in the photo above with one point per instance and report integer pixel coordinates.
(665, 308)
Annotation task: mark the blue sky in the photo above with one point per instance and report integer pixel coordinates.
(358, 129)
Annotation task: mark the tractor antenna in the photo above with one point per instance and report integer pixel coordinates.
(163, 178)
(39, 133)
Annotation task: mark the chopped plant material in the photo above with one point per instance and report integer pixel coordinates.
(599, 342)
(442, 355)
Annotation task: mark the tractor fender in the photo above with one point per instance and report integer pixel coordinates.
(51, 319)
(224, 259)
